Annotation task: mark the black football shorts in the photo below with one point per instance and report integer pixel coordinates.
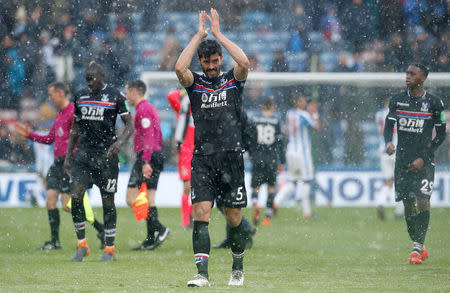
(56, 177)
(263, 173)
(409, 185)
(89, 167)
(219, 177)
(136, 176)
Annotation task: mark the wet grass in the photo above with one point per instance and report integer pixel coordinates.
(343, 250)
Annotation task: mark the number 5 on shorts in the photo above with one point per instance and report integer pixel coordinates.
(239, 192)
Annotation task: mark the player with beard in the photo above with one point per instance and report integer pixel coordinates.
(96, 159)
(217, 164)
(416, 113)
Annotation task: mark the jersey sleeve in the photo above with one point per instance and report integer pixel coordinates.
(190, 88)
(151, 125)
(77, 112)
(174, 100)
(440, 126)
(45, 139)
(308, 120)
(239, 83)
(391, 119)
(122, 105)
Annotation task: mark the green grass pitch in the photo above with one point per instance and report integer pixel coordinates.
(343, 250)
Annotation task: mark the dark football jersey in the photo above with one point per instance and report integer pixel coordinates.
(216, 105)
(415, 118)
(96, 115)
(267, 141)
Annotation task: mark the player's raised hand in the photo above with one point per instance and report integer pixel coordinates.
(22, 129)
(416, 165)
(202, 30)
(390, 148)
(214, 20)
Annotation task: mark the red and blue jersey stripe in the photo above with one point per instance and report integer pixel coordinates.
(98, 104)
(202, 89)
(410, 114)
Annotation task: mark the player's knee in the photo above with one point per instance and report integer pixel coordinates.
(233, 216)
(202, 211)
(51, 200)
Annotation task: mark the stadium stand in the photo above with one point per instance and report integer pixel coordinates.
(257, 28)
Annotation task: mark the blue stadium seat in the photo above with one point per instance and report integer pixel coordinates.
(256, 20)
(316, 41)
(329, 60)
(298, 62)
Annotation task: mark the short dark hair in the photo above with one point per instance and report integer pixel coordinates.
(59, 86)
(422, 68)
(95, 68)
(209, 47)
(139, 85)
(268, 104)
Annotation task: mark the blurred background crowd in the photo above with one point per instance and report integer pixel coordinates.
(53, 40)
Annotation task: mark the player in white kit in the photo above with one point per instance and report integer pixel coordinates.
(387, 164)
(299, 124)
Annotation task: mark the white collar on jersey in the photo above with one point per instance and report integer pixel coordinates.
(425, 92)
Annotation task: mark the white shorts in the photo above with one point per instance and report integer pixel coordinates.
(387, 164)
(299, 167)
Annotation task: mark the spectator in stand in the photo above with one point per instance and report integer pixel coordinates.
(29, 53)
(356, 24)
(279, 63)
(15, 74)
(64, 21)
(86, 26)
(71, 58)
(20, 24)
(121, 48)
(345, 63)
(79, 56)
(397, 53)
(170, 51)
(299, 27)
(414, 11)
(390, 12)
(330, 25)
(253, 94)
(5, 145)
(440, 59)
(150, 14)
(423, 45)
(109, 61)
(47, 49)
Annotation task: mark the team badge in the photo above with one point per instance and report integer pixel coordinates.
(424, 107)
(105, 98)
(145, 122)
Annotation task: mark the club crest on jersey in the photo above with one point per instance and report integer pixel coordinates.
(424, 107)
(105, 98)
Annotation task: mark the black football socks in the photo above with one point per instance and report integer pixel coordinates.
(238, 239)
(53, 219)
(202, 245)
